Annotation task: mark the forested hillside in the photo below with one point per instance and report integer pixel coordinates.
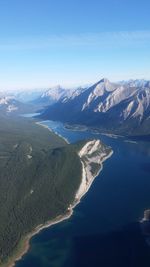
(39, 175)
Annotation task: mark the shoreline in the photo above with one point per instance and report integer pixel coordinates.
(37, 230)
(84, 128)
(52, 131)
(81, 192)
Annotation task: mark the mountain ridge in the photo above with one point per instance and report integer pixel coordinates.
(114, 107)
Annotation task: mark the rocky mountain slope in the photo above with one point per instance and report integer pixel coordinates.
(56, 94)
(113, 107)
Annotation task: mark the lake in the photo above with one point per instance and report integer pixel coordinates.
(104, 229)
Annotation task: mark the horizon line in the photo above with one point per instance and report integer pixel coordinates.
(66, 86)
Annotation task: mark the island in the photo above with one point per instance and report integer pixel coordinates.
(42, 178)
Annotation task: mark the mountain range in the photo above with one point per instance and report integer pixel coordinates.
(118, 108)
(122, 108)
(56, 94)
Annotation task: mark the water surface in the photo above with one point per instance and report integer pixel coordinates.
(104, 229)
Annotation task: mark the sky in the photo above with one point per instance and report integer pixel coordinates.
(72, 42)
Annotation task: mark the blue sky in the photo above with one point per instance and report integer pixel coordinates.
(72, 42)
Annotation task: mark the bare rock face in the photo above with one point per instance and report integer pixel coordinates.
(92, 156)
(113, 107)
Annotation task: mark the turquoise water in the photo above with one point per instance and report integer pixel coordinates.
(104, 225)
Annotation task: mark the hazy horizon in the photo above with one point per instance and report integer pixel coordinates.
(72, 86)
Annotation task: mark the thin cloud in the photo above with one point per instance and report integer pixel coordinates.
(101, 40)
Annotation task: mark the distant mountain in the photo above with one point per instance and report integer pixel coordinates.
(56, 94)
(113, 107)
(10, 106)
(28, 95)
(23, 96)
(136, 83)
